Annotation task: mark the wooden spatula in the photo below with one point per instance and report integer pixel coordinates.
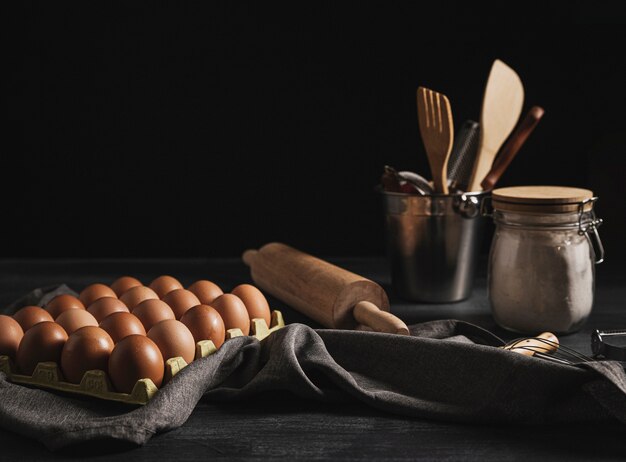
(502, 105)
(437, 130)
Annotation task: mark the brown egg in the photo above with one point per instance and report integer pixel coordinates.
(11, 334)
(121, 324)
(133, 358)
(151, 312)
(136, 295)
(62, 303)
(105, 306)
(205, 323)
(255, 302)
(164, 285)
(173, 339)
(31, 315)
(233, 312)
(121, 285)
(206, 291)
(86, 349)
(180, 300)
(42, 342)
(93, 292)
(73, 320)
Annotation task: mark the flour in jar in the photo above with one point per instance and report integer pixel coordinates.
(540, 280)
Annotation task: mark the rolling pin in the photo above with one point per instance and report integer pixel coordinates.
(332, 296)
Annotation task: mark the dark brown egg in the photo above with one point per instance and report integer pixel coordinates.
(180, 300)
(206, 291)
(136, 295)
(121, 324)
(173, 339)
(233, 312)
(42, 342)
(11, 334)
(105, 306)
(121, 285)
(86, 349)
(164, 285)
(153, 311)
(62, 303)
(31, 315)
(93, 292)
(133, 358)
(205, 323)
(255, 302)
(73, 320)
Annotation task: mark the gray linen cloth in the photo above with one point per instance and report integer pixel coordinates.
(446, 370)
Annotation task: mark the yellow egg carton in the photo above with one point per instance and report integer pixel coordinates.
(96, 383)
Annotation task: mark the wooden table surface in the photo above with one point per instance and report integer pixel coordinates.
(279, 425)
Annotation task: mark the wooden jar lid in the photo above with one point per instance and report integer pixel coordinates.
(540, 199)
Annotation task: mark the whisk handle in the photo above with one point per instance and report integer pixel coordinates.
(542, 343)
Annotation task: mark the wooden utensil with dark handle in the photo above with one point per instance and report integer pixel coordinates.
(512, 147)
(437, 129)
(332, 296)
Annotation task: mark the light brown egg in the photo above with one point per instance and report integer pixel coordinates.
(121, 324)
(93, 292)
(233, 312)
(205, 323)
(121, 285)
(86, 349)
(42, 342)
(255, 302)
(62, 303)
(153, 311)
(136, 295)
(180, 300)
(28, 316)
(206, 291)
(133, 358)
(173, 339)
(105, 306)
(164, 285)
(11, 334)
(73, 320)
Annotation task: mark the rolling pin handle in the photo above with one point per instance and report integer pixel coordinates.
(249, 256)
(368, 314)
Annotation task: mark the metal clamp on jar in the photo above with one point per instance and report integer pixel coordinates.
(541, 264)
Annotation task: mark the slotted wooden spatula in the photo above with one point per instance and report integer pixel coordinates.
(437, 130)
(502, 106)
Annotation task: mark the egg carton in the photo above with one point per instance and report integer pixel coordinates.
(96, 383)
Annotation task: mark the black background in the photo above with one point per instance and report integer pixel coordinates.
(214, 127)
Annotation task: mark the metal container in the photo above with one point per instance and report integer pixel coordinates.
(433, 243)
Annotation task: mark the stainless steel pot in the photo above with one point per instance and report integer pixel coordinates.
(433, 243)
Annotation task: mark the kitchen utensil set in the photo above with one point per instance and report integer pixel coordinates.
(469, 163)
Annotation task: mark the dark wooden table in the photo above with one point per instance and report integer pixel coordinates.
(279, 425)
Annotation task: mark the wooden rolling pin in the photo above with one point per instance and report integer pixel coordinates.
(330, 295)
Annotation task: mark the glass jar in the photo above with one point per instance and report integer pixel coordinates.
(541, 264)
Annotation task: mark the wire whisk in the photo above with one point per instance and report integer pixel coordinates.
(547, 346)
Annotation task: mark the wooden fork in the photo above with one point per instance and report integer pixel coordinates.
(437, 130)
